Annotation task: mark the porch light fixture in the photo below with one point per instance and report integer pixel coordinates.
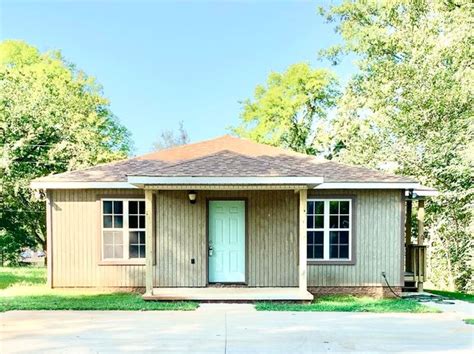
(192, 197)
(412, 195)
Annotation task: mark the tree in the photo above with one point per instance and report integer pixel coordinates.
(286, 111)
(53, 118)
(410, 104)
(169, 138)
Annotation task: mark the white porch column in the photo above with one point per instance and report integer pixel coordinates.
(303, 282)
(150, 237)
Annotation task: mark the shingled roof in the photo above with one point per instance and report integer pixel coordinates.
(225, 156)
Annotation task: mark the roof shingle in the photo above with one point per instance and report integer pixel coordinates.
(225, 156)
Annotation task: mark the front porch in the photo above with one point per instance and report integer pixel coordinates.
(229, 294)
(272, 267)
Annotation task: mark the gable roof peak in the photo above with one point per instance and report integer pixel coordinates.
(228, 142)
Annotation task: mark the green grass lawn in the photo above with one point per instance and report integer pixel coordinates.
(25, 288)
(469, 321)
(347, 303)
(453, 295)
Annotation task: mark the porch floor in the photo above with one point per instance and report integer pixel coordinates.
(230, 294)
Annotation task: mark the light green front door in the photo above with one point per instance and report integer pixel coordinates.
(226, 241)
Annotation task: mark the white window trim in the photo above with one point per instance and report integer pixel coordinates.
(125, 231)
(326, 230)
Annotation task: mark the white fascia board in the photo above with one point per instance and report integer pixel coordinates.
(145, 180)
(424, 192)
(368, 185)
(82, 185)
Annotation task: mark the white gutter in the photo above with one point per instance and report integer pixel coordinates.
(135, 182)
(369, 185)
(145, 180)
(82, 185)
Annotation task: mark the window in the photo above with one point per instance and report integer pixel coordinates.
(329, 229)
(123, 229)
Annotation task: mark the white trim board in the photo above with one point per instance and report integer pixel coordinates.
(146, 180)
(136, 182)
(82, 185)
(369, 185)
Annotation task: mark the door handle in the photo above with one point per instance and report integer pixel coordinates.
(210, 250)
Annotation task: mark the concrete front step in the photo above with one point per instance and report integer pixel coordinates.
(229, 294)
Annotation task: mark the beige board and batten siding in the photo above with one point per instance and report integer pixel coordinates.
(272, 249)
(76, 242)
(378, 233)
(181, 235)
(271, 245)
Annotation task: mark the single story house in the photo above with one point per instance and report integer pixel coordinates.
(231, 219)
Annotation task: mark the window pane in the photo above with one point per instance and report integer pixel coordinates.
(108, 238)
(118, 222)
(118, 240)
(333, 252)
(333, 237)
(310, 235)
(319, 252)
(344, 221)
(319, 237)
(118, 251)
(133, 251)
(142, 251)
(133, 207)
(133, 222)
(142, 207)
(333, 222)
(343, 251)
(309, 221)
(133, 237)
(319, 207)
(142, 237)
(309, 252)
(334, 207)
(344, 237)
(107, 206)
(142, 222)
(108, 251)
(344, 207)
(310, 208)
(118, 207)
(319, 221)
(107, 221)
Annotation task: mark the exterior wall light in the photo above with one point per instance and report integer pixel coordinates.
(192, 197)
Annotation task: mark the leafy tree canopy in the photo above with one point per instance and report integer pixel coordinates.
(411, 105)
(53, 118)
(286, 110)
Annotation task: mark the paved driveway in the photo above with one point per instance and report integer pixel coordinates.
(220, 328)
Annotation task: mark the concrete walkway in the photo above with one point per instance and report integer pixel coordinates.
(221, 328)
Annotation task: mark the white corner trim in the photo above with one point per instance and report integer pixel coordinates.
(82, 185)
(368, 185)
(144, 180)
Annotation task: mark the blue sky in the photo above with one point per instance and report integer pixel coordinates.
(161, 62)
